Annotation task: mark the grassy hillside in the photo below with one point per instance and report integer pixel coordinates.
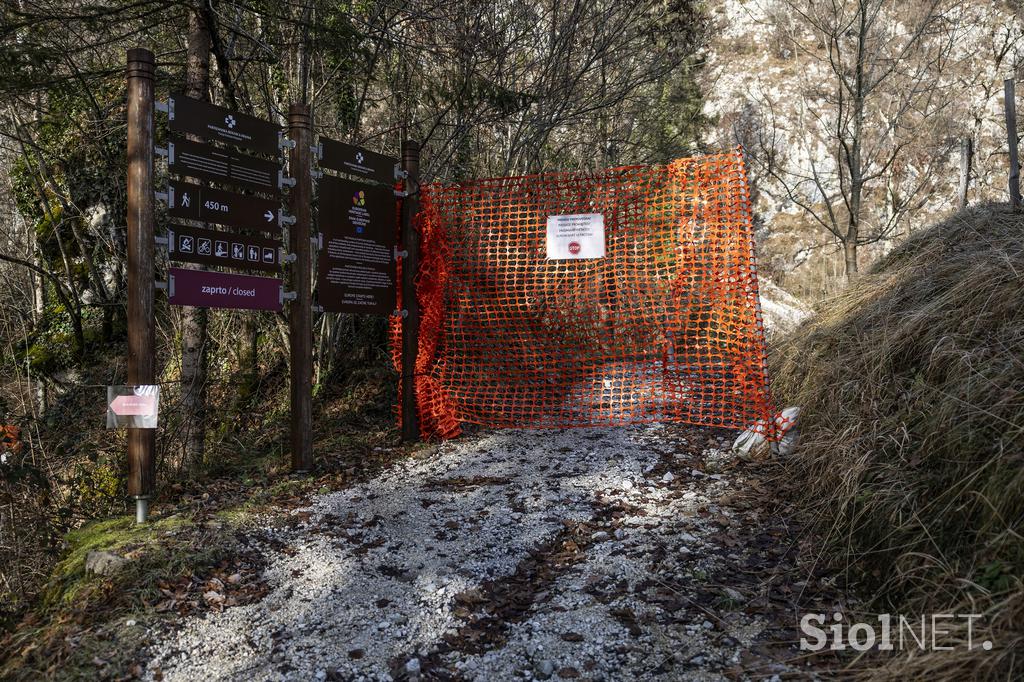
(912, 459)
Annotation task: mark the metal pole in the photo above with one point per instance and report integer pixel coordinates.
(141, 333)
(141, 509)
(300, 312)
(410, 265)
(1009, 102)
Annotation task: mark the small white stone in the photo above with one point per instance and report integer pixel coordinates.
(668, 477)
(413, 666)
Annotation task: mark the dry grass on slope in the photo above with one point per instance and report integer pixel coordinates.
(912, 453)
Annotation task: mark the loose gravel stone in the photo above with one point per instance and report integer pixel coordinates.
(397, 576)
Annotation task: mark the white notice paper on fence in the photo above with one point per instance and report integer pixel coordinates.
(575, 236)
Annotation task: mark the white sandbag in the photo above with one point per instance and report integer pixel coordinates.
(753, 439)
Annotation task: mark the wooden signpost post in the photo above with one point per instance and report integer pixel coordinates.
(357, 261)
(300, 317)
(410, 265)
(141, 218)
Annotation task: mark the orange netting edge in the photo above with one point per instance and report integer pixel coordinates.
(707, 310)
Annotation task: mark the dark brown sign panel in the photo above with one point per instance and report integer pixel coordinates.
(187, 115)
(185, 200)
(356, 268)
(357, 161)
(202, 289)
(222, 165)
(224, 249)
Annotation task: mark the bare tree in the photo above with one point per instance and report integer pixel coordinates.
(882, 105)
(195, 321)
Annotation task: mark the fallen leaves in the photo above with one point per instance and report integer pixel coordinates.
(226, 585)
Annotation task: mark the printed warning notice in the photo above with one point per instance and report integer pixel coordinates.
(575, 236)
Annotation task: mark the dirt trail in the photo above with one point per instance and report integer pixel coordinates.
(603, 554)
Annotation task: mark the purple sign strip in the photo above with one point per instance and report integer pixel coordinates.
(203, 289)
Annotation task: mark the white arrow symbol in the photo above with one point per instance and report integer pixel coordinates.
(269, 216)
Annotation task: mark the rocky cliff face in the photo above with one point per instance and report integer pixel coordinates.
(771, 88)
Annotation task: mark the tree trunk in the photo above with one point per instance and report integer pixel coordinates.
(850, 259)
(194, 321)
(966, 155)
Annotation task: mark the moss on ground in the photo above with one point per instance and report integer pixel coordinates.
(90, 626)
(119, 535)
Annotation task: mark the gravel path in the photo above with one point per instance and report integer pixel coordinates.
(602, 554)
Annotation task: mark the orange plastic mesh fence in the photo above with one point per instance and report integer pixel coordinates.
(666, 327)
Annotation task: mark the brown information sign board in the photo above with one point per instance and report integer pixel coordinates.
(356, 267)
(357, 161)
(225, 249)
(187, 115)
(222, 165)
(209, 205)
(203, 289)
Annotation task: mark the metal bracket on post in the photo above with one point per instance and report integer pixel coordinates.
(167, 286)
(288, 295)
(166, 107)
(283, 219)
(283, 142)
(317, 242)
(401, 193)
(400, 254)
(317, 174)
(401, 313)
(283, 182)
(163, 241)
(317, 308)
(162, 196)
(287, 257)
(166, 151)
(318, 151)
(399, 173)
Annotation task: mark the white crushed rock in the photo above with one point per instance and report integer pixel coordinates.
(781, 311)
(365, 589)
